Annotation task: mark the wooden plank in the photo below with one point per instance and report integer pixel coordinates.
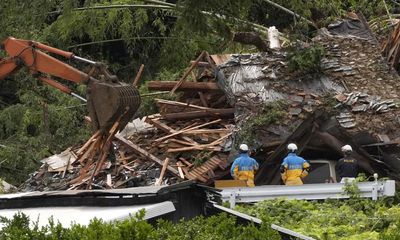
(97, 144)
(202, 64)
(145, 154)
(219, 140)
(183, 78)
(203, 172)
(88, 151)
(180, 165)
(181, 142)
(221, 58)
(88, 142)
(167, 129)
(180, 104)
(197, 147)
(206, 131)
(129, 168)
(186, 162)
(192, 176)
(138, 76)
(104, 150)
(164, 168)
(209, 113)
(186, 86)
(186, 130)
(185, 170)
(109, 182)
(209, 147)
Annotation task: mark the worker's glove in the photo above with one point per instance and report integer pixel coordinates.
(305, 172)
(283, 169)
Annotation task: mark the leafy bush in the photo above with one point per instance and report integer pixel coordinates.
(217, 227)
(333, 219)
(306, 60)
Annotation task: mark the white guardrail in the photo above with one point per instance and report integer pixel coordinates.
(307, 191)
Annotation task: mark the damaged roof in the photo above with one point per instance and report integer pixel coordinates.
(354, 77)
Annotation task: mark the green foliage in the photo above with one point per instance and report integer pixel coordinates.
(26, 137)
(306, 60)
(332, 219)
(200, 158)
(351, 189)
(270, 113)
(217, 227)
(321, 12)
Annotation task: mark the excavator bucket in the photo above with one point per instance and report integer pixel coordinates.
(108, 101)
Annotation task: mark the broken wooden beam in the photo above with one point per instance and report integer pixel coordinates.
(186, 86)
(162, 173)
(166, 128)
(88, 143)
(144, 153)
(138, 76)
(186, 130)
(188, 164)
(210, 147)
(183, 78)
(180, 165)
(180, 104)
(202, 64)
(209, 113)
(205, 147)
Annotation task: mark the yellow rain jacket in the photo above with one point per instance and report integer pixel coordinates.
(294, 168)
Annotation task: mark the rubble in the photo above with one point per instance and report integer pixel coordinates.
(188, 139)
(354, 100)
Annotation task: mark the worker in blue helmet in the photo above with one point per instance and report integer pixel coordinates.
(244, 167)
(293, 167)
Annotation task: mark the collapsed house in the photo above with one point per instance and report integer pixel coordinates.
(352, 100)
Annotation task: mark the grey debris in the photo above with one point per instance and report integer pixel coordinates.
(294, 111)
(362, 102)
(348, 124)
(360, 108)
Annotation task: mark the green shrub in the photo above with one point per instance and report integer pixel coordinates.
(332, 219)
(306, 60)
(270, 113)
(218, 227)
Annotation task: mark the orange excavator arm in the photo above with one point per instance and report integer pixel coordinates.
(27, 53)
(107, 98)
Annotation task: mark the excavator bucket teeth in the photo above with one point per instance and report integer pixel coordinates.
(108, 101)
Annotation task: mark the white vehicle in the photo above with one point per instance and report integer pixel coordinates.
(322, 171)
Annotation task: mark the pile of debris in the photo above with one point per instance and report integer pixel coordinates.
(188, 139)
(354, 100)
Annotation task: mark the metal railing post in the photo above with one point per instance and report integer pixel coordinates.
(375, 188)
(232, 200)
